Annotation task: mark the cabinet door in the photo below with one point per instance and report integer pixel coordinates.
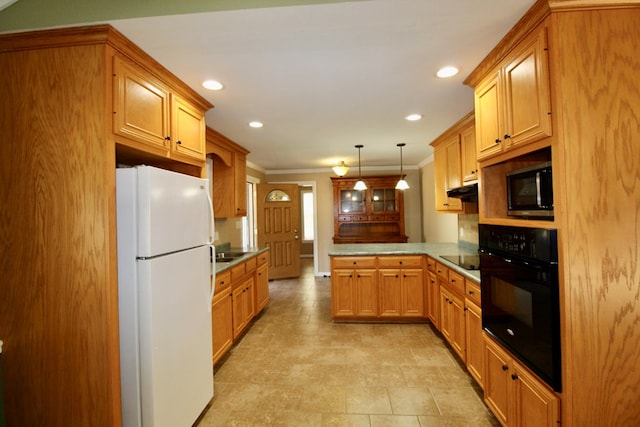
(262, 286)
(433, 301)
(249, 299)
(240, 184)
(141, 108)
(413, 293)
(475, 341)
(457, 326)
(527, 97)
(366, 288)
(239, 317)
(187, 130)
(390, 292)
(342, 294)
(496, 381)
(222, 323)
(488, 120)
(534, 404)
(469, 154)
(440, 178)
(445, 313)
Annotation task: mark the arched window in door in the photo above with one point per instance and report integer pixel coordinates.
(277, 196)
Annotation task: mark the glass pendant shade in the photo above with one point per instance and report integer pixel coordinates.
(402, 184)
(360, 185)
(341, 169)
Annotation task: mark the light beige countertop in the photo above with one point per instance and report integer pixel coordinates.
(248, 253)
(434, 250)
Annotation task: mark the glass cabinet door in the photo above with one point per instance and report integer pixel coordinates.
(384, 200)
(351, 201)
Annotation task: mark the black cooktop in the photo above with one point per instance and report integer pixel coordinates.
(468, 262)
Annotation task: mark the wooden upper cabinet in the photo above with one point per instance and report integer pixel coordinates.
(229, 175)
(513, 103)
(469, 154)
(153, 118)
(188, 129)
(454, 162)
(141, 107)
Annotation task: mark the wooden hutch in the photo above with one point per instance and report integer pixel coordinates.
(374, 215)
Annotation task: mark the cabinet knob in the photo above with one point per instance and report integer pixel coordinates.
(471, 292)
(507, 136)
(514, 377)
(179, 142)
(167, 138)
(498, 141)
(505, 368)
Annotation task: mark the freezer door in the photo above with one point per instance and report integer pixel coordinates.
(172, 210)
(176, 371)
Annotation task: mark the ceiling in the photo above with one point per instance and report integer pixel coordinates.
(324, 77)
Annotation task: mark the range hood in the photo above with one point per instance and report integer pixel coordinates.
(468, 193)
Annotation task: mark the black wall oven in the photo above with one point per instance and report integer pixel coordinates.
(520, 297)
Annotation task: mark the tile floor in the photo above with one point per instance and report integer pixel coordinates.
(295, 367)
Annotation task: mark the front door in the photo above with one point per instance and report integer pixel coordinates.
(278, 207)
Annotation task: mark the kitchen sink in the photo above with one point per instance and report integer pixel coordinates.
(224, 259)
(229, 256)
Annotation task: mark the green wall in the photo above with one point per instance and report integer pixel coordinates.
(31, 14)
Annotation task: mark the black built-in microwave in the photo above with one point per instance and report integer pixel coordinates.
(530, 192)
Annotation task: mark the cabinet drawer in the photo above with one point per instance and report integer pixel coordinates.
(237, 272)
(263, 258)
(392, 217)
(223, 280)
(376, 218)
(456, 281)
(431, 264)
(472, 291)
(250, 265)
(442, 271)
(354, 262)
(400, 261)
(344, 218)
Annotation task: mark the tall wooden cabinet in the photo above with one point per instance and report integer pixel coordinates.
(59, 306)
(591, 49)
(375, 215)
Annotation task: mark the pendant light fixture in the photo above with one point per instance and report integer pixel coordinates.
(341, 169)
(402, 184)
(360, 185)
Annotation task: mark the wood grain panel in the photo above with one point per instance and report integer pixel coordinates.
(596, 63)
(58, 309)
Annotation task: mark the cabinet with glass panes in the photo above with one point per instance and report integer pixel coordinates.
(374, 215)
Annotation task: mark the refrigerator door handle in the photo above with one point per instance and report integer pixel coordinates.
(211, 222)
(212, 248)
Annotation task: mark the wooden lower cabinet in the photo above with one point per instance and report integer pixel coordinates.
(515, 396)
(354, 293)
(241, 292)
(242, 305)
(262, 286)
(401, 292)
(475, 342)
(452, 321)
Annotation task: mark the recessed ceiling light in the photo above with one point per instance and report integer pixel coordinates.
(447, 71)
(212, 85)
(255, 124)
(413, 117)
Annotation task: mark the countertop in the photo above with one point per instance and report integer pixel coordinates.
(434, 250)
(248, 253)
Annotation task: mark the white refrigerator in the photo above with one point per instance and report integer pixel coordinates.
(165, 224)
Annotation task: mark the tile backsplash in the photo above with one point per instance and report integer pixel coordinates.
(468, 228)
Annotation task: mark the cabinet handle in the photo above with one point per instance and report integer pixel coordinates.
(167, 138)
(400, 262)
(498, 141)
(471, 292)
(505, 368)
(396, 276)
(453, 280)
(507, 136)
(179, 142)
(514, 377)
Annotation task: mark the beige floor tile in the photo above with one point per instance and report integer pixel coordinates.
(345, 420)
(368, 400)
(412, 401)
(394, 421)
(324, 399)
(459, 401)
